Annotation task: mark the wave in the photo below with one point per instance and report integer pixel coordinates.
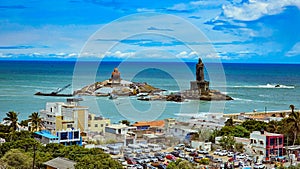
(239, 99)
(200, 114)
(268, 86)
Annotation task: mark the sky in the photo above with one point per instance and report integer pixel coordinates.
(238, 31)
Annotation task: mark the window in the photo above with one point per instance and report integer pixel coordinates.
(101, 125)
(96, 125)
(261, 142)
(106, 124)
(69, 125)
(89, 125)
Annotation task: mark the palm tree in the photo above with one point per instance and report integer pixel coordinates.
(273, 126)
(12, 118)
(292, 107)
(36, 121)
(294, 120)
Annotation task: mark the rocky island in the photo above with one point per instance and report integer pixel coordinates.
(116, 86)
(199, 89)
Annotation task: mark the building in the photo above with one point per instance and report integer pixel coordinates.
(60, 163)
(267, 144)
(65, 137)
(146, 125)
(121, 133)
(97, 123)
(60, 116)
(45, 137)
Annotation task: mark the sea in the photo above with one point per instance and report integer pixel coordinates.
(254, 87)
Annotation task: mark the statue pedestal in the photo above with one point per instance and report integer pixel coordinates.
(202, 86)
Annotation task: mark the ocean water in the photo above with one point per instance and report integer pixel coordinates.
(251, 85)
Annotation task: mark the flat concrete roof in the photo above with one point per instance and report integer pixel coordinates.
(61, 163)
(46, 134)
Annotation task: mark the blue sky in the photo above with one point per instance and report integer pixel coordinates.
(264, 31)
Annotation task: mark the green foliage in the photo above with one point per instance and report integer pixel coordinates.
(227, 142)
(294, 121)
(204, 161)
(236, 131)
(85, 158)
(254, 125)
(36, 121)
(239, 147)
(17, 159)
(229, 122)
(12, 118)
(24, 122)
(240, 131)
(180, 164)
(125, 122)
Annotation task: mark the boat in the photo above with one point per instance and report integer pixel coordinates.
(56, 93)
(53, 94)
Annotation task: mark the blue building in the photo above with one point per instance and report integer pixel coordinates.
(65, 137)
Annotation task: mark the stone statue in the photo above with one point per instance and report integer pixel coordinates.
(116, 76)
(200, 71)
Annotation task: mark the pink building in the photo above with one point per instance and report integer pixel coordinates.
(267, 144)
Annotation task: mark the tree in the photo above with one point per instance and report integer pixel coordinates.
(36, 121)
(294, 121)
(125, 122)
(292, 107)
(17, 159)
(180, 164)
(227, 142)
(12, 118)
(254, 125)
(229, 122)
(239, 147)
(273, 126)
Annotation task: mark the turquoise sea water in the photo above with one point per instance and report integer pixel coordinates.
(251, 85)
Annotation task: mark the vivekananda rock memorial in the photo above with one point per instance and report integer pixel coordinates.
(199, 89)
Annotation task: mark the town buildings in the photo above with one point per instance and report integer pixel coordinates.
(267, 144)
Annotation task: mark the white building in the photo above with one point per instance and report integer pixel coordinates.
(267, 144)
(60, 116)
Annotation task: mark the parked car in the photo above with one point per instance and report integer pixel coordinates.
(209, 157)
(217, 152)
(223, 153)
(153, 160)
(189, 149)
(160, 158)
(194, 154)
(138, 166)
(175, 153)
(202, 152)
(170, 157)
(131, 161)
(230, 154)
(162, 166)
(240, 156)
(179, 147)
(197, 159)
(259, 166)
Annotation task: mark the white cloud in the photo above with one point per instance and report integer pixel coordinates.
(179, 7)
(212, 56)
(255, 9)
(295, 51)
(144, 10)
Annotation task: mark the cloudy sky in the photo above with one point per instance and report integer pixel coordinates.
(264, 31)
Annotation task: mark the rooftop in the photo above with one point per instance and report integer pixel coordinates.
(61, 163)
(158, 123)
(46, 134)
